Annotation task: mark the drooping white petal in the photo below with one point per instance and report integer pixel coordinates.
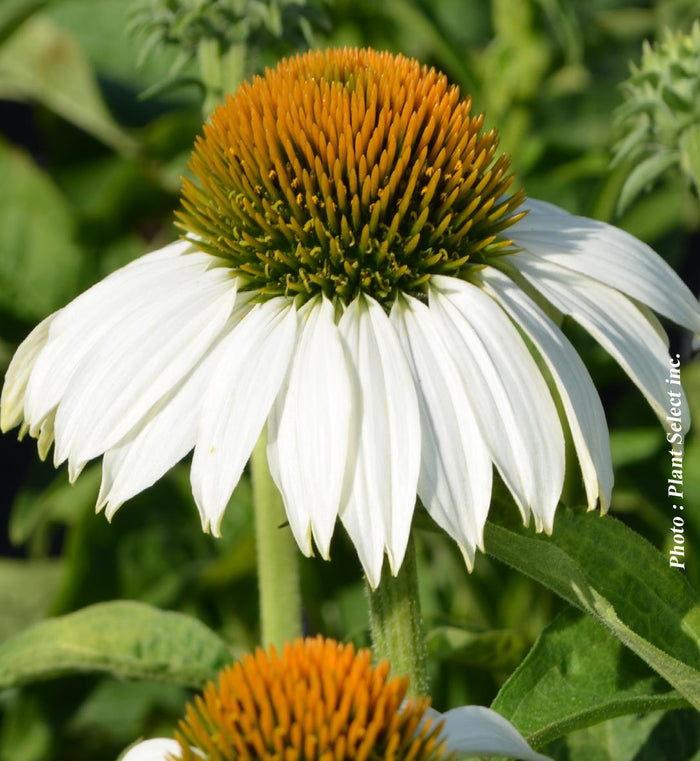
(456, 472)
(46, 435)
(17, 376)
(515, 410)
(158, 749)
(611, 318)
(138, 362)
(253, 362)
(309, 428)
(608, 255)
(579, 397)
(165, 435)
(479, 731)
(163, 438)
(82, 324)
(381, 482)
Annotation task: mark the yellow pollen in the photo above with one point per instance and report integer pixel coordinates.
(347, 171)
(319, 701)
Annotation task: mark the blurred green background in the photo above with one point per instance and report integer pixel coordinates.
(89, 178)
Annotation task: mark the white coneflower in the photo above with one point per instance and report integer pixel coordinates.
(321, 700)
(355, 273)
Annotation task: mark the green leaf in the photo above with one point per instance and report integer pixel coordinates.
(644, 174)
(39, 258)
(14, 12)
(27, 588)
(128, 640)
(35, 513)
(612, 573)
(486, 650)
(42, 62)
(577, 674)
(690, 154)
(654, 736)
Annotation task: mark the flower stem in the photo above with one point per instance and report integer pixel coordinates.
(278, 563)
(396, 623)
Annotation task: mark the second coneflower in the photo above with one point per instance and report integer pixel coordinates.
(354, 272)
(320, 700)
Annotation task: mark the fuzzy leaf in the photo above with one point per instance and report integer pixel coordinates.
(576, 675)
(128, 640)
(612, 573)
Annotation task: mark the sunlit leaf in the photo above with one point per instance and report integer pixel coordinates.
(577, 674)
(649, 737)
(128, 640)
(612, 573)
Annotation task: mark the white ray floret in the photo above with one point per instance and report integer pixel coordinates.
(384, 443)
(515, 409)
(252, 363)
(309, 428)
(612, 319)
(601, 252)
(368, 405)
(579, 397)
(456, 472)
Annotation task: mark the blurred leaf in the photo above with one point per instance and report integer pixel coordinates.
(119, 712)
(657, 213)
(14, 12)
(61, 502)
(689, 146)
(626, 23)
(610, 572)
(486, 650)
(644, 174)
(668, 735)
(631, 445)
(115, 54)
(27, 588)
(42, 62)
(128, 640)
(26, 731)
(39, 259)
(576, 675)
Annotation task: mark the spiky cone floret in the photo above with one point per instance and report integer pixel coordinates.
(345, 172)
(320, 700)
(357, 275)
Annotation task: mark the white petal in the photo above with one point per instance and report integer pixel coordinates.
(479, 731)
(138, 362)
(83, 323)
(158, 749)
(382, 479)
(455, 475)
(578, 394)
(609, 255)
(612, 319)
(309, 428)
(253, 363)
(17, 375)
(513, 405)
(166, 434)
